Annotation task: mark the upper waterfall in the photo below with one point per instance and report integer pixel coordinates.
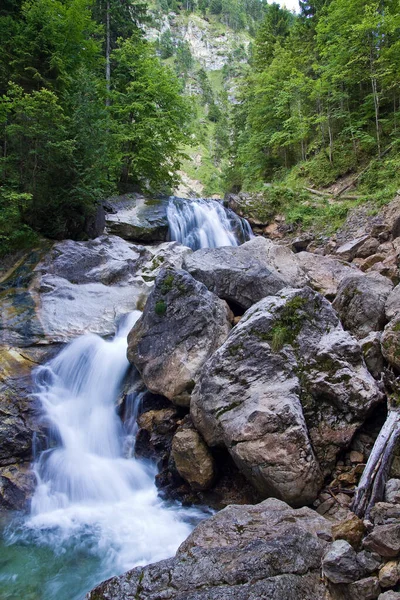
(205, 223)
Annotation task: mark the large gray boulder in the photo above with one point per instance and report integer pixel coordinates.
(242, 553)
(248, 273)
(324, 272)
(360, 303)
(181, 326)
(136, 218)
(79, 287)
(285, 394)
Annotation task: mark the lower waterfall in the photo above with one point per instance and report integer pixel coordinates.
(94, 513)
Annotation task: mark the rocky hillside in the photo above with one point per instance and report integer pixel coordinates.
(209, 57)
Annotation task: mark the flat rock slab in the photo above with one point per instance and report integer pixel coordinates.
(324, 272)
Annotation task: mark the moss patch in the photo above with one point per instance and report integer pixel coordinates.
(160, 308)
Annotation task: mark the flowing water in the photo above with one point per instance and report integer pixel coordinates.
(95, 512)
(205, 223)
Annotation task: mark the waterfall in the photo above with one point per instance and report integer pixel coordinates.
(205, 223)
(90, 498)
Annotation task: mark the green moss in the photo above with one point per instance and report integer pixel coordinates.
(226, 409)
(285, 329)
(396, 327)
(167, 284)
(234, 349)
(160, 308)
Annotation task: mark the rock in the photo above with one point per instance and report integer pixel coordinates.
(360, 303)
(390, 595)
(349, 250)
(263, 551)
(370, 246)
(356, 457)
(288, 355)
(370, 561)
(364, 589)
(193, 459)
(389, 574)
(340, 564)
(137, 219)
(156, 430)
(372, 352)
(324, 273)
(351, 530)
(390, 342)
(181, 326)
(388, 268)
(17, 407)
(392, 491)
(17, 483)
(248, 273)
(385, 540)
(392, 306)
(162, 256)
(383, 513)
(95, 223)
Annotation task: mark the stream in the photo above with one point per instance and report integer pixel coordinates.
(96, 512)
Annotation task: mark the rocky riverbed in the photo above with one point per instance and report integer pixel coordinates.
(263, 391)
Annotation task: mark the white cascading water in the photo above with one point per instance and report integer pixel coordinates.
(205, 223)
(87, 490)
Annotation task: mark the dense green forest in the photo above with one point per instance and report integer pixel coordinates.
(86, 109)
(89, 107)
(321, 100)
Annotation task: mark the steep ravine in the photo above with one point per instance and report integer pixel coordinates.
(260, 379)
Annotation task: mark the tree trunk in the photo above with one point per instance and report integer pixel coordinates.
(108, 52)
(372, 483)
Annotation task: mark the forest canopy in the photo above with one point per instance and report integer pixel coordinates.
(86, 108)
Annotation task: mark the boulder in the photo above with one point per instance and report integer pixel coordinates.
(385, 540)
(340, 564)
(360, 303)
(264, 551)
(392, 491)
(349, 250)
(246, 274)
(352, 530)
(136, 218)
(390, 595)
(370, 561)
(372, 352)
(324, 272)
(193, 459)
(392, 306)
(17, 484)
(390, 342)
(181, 326)
(383, 513)
(389, 574)
(288, 358)
(369, 247)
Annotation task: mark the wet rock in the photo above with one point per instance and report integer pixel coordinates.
(385, 540)
(17, 483)
(389, 574)
(263, 551)
(324, 272)
(156, 430)
(288, 373)
(351, 530)
(340, 564)
(17, 407)
(372, 352)
(193, 459)
(360, 303)
(248, 273)
(392, 491)
(181, 326)
(137, 219)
